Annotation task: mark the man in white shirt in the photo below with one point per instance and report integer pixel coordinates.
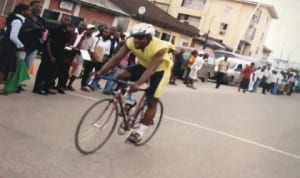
(196, 66)
(268, 79)
(104, 42)
(87, 42)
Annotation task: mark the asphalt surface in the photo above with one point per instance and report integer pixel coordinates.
(207, 132)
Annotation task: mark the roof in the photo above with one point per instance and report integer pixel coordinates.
(103, 5)
(155, 16)
(213, 42)
(270, 7)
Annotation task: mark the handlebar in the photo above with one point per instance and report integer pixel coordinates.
(123, 83)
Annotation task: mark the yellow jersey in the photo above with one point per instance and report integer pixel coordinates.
(145, 56)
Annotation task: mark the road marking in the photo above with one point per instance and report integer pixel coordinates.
(212, 130)
(235, 137)
(83, 96)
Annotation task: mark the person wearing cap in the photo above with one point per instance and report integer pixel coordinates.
(154, 65)
(86, 43)
(103, 42)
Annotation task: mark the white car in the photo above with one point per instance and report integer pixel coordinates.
(236, 66)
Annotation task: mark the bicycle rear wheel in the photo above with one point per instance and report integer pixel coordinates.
(96, 126)
(152, 129)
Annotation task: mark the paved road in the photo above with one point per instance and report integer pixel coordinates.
(205, 133)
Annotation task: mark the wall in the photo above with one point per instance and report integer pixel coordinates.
(91, 14)
(2, 18)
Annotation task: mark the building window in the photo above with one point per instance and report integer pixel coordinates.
(262, 36)
(252, 35)
(228, 10)
(194, 4)
(165, 37)
(67, 5)
(192, 20)
(53, 17)
(50, 15)
(76, 20)
(7, 7)
(257, 15)
(223, 28)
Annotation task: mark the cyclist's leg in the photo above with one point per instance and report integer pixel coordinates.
(157, 84)
(132, 72)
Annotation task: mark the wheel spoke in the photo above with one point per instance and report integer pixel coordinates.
(96, 126)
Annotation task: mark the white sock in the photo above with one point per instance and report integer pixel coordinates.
(141, 129)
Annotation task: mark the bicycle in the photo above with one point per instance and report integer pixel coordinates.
(103, 116)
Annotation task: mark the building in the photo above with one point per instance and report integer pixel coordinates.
(167, 27)
(114, 13)
(91, 11)
(240, 24)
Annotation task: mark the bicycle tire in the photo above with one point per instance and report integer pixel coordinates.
(106, 112)
(152, 129)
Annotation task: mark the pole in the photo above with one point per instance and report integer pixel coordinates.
(246, 27)
(207, 36)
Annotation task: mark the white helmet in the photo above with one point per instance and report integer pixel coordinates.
(143, 29)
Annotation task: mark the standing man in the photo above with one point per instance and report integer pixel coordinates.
(222, 71)
(77, 37)
(267, 79)
(32, 29)
(87, 43)
(52, 57)
(177, 66)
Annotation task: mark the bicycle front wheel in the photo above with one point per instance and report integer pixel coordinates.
(153, 127)
(96, 126)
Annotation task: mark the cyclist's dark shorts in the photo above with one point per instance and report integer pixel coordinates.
(158, 81)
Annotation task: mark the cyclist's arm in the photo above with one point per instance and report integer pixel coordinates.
(156, 60)
(114, 61)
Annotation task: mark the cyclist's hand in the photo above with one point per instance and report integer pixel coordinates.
(133, 88)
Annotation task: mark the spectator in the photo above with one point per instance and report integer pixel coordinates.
(177, 66)
(266, 85)
(256, 77)
(194, 71)
(103, 42)
(32, 30)
(87, 43)
(244, 84)
(12, 47)
(77, 37)
(222, 71)
(52, 58)
(189, 64)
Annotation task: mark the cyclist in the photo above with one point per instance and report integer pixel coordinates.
(154, 64)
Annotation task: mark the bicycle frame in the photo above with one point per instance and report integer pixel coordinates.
(126, 118)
